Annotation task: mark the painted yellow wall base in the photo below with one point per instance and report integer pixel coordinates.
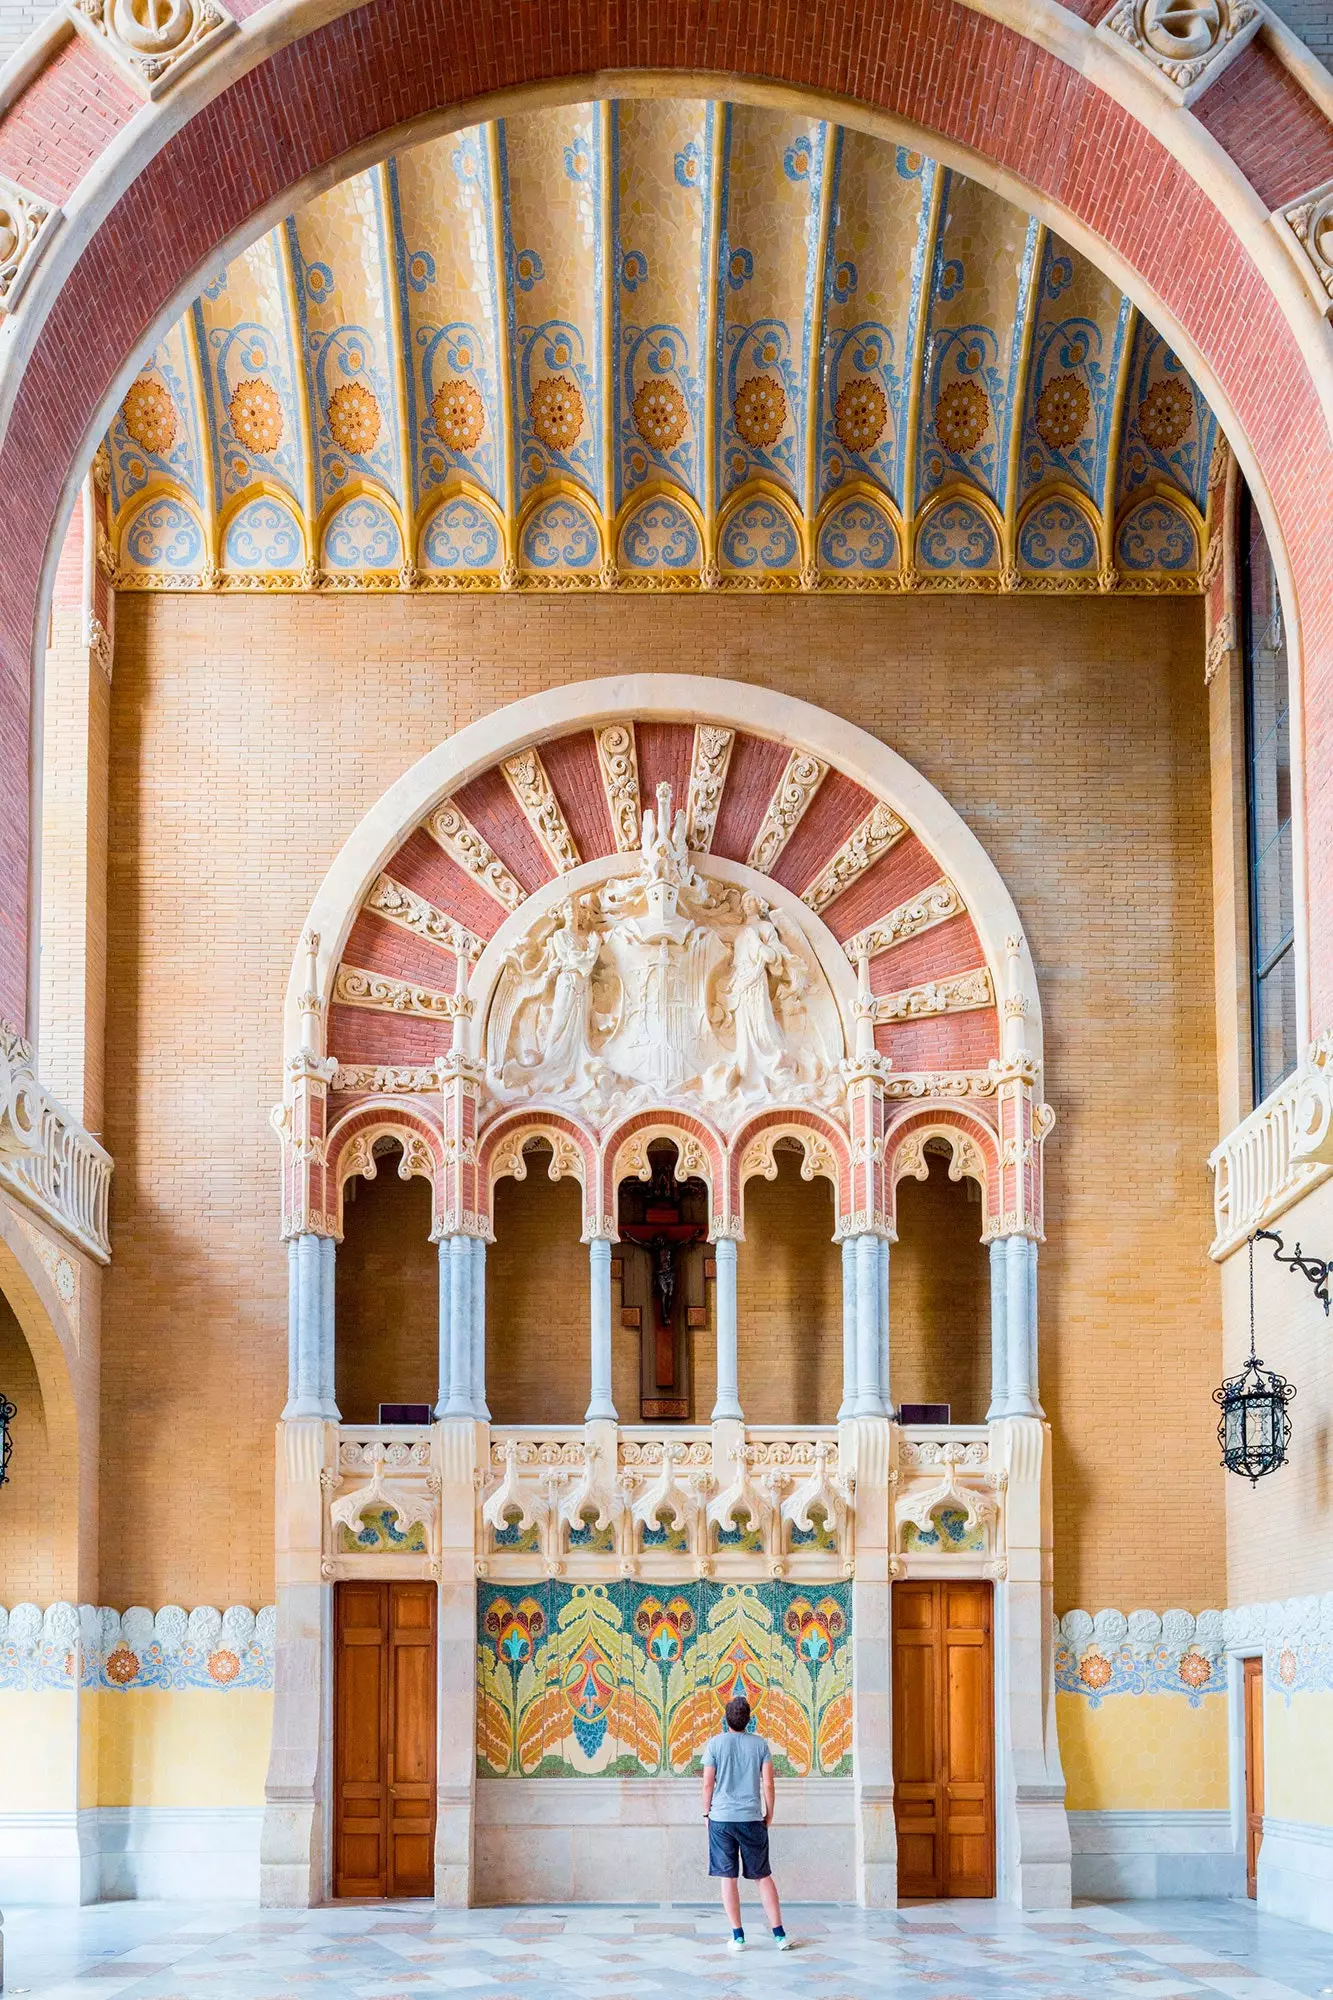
(38, 1750)
(1298, 1745)
(182, 1747)
(1143, 1753)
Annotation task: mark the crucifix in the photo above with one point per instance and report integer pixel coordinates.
(664, 1234)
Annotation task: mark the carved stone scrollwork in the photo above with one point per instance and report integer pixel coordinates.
(708, 774)
(620, 778)
(463, 844)
(919, 913)
(799, 783)
(921, 1503)
(411, 912)
(1186, 44)
(152, 42)
(26, 223)
(954, 995)
(355, 987)
(875, 835)
(532, 788)
(389, 1495)
(1221, 643)
(385, 1080)
(508, 1160)
(1309, 222)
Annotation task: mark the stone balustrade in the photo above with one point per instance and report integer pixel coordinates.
(1282, 1150)
(47, 1159)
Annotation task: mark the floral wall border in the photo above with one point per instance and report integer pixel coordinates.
(1183, 1652)
(92, 1646)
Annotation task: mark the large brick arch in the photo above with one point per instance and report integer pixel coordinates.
(1172, 202)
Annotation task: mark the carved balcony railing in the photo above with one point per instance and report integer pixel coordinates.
(47, 1159)
(947, 1500)
(1273, 1157)
(777, 1502)
(383, 1498)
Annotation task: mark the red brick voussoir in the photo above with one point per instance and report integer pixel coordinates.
(949, 70)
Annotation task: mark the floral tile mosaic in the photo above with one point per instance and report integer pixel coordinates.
(88, 1646)
(1181, 1652)
(625, 1679)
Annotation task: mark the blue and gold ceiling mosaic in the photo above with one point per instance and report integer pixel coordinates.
(660, 344)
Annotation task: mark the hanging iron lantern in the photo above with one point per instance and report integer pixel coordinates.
(8, 1412)
(1254, 1430)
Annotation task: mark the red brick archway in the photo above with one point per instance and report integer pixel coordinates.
(169, 201)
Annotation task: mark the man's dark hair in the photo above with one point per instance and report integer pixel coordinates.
(738, 1714)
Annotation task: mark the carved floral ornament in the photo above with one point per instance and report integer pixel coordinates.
(1184, 44)
(26, 223)
(152, 42)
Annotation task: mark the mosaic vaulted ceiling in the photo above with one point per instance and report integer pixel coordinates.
(660, 344)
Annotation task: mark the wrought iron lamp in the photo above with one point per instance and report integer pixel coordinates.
(1313, 1268)
(8, 1412)
(1254, 1429)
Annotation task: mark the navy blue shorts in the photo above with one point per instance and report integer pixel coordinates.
(736, 1845)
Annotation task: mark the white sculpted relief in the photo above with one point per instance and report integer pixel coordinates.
(661, 984)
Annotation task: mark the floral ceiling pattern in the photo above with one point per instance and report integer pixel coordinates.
(660, 344)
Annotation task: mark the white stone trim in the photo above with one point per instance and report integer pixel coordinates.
(654, 697)
(178, 1854)
(48, 1858)
(1132, 1855)
(1296, 1872)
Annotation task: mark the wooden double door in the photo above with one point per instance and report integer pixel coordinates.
(384, 1739)
(943, 1738)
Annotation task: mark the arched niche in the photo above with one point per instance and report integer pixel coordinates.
(939, 1286)
(789, 1293)
(537, 1295)
(45, 1551)
(386, 1296)
(663, 1214)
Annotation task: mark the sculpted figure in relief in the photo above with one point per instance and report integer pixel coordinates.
(663, 983)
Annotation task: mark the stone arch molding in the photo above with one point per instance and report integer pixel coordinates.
(1087, 94)
(657, 907)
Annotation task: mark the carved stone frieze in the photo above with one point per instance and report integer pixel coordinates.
(1222, 642)
(355, 987)
(956, 994)
(799, 782)
(708, 775)
(875, 835)
(152, 42)
(1185, 44)
(385, 1080)
(463, 844)
(528, 781)
(658, 982)
(940, 1083)
(411, 912)
(918, 913)
(1308, 224)
(26, 224)
(619, 763)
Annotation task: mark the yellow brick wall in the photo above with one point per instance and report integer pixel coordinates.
(249, 738)
(939, 1298)
(537, 1308)
(788, 1301)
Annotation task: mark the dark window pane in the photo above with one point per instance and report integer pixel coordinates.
(1268, 799)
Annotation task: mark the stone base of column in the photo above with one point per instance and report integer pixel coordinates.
(291, 1852)
(453, 1847)
(876, 1848)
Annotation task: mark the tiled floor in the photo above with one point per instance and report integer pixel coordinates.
(955, 1951)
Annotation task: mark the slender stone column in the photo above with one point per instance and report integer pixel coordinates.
(460, 1328)
(442, 1405)
(869, 1397)
(310, 1327)
(480, 1406)
(999, 1330)
(1034, 1391)
(1020, 1261)
(847, 1407)
(728, 1402)
(883, 1307)
(600, 1406)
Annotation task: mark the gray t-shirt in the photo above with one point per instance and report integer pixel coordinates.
(738, 1759)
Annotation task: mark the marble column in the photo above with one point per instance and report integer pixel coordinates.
(310, 1322)
(600, 1409)
(883, 1313)
(728, 1402)
(442, 1404)
(480, 1406)
(869, 1396)
(460, 1403)
(847, 1407)
(1020, 1305)
(999, 1330)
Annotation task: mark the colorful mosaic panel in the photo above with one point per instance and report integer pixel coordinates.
(628, 1679)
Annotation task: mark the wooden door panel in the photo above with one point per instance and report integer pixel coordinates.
(384, 1739)
(1253, 1684)
(943, 1738)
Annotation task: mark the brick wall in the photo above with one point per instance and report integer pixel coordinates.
(249, 738)
(34, 1498)
(789, 1301)
(386, 1294)
(537, 1309)
(1312, 20)
(939, 1298)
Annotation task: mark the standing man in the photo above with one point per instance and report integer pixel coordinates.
(738, 1806)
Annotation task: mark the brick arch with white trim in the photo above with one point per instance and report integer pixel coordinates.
(1066, 119)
